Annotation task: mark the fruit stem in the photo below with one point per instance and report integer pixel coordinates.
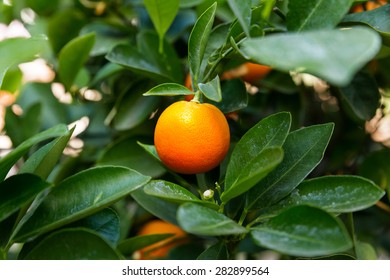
(242, 217)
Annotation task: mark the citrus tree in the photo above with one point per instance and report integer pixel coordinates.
(243, 127)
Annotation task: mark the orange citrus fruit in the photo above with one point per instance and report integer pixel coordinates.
(370, 5)
(250, 72)
(160, 249)
(191, 137)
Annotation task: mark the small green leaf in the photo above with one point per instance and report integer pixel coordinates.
(303, 151)
(73, 244)
(254, 148)
(174, 193)
(10, 159)
(242, 10)
(168, 89)
(339, 194)
(198, 40)
(43, 161)
(234, 96)
(365, 251)
(160, 208)
(255, 170)
(201, 220)
(217, 251)
(162, 13)
(73, 56)
(212, 89)
(18, 190)
(361, 96)
(78, 196)
(14, 51)
(378, 19)
(12, 79)
(303, 231)
(315, 14)
(129, 246)
(150, 149)
(333, 55)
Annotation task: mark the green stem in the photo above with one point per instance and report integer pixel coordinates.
(351, 229)
(242, 217)
(202, 182)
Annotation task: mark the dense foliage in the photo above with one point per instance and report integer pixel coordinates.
(308, 172)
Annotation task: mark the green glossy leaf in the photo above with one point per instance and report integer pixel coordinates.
(333, 55)
(12, 80)
(242, 10)
(255, 170)
(10, 159)
(73, 56)
(162, 14)
(254, 149)
(378, 19)
(234, 96)
(150, 149)
(106, 223)
(14, 51)
(174, 193)
(315, 14)
(198, 219)
(129, 246)
(361, 96)
(365, 251)
(198, 40)
(145, 59)
(160, 208)
(303, 231)
(73, 244)
(339, 194)
(78, 196)
(303, 151)
(217, 251)
(128, 153)
(43, 161)
(212, 89)
(17, 190)
(169, 89)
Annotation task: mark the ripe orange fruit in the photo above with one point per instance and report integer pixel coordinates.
(370, 5)
(191, 137)
(160, 249)
(252, 72)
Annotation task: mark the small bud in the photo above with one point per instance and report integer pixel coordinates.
(208, 194)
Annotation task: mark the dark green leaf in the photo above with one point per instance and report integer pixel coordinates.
(303, 151)
(145, 59)
(378, 19)
(129, 246)
(106, 223)
(257, 145)
(255, 170)
(201, 220)
(17, 190)
(169, 89)
(72, 58)
(14, 51)
(242, 10)
(376, 167)
(333, 55)
(10, 159)
(160, 208)
(73, 244)
(361, 96)
(339, 194)
(315, 14)
(174, 193)
(198, 40)
(43, 161)
(217, 251)
(78, 196)
(303, 231)
(212, 89)
(128, 153)
(234, 96)
(162, 13)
